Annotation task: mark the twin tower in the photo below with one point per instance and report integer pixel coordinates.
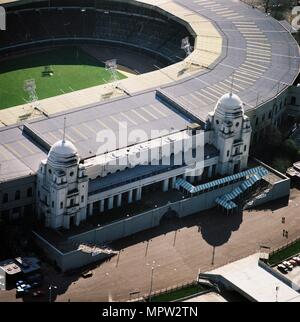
(62, 183)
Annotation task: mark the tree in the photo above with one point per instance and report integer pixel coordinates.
(274, 137)
(281, 164)
(291, 149)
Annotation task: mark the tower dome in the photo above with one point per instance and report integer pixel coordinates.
(229, 106)
(63, 154)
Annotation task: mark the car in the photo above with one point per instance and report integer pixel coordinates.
(293, 263)
(287, 265)
(20, 282)
(282, 269)
(87, 274)
(297, 259)
(20, 291)
(23, 285)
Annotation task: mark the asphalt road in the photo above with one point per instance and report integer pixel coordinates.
(180, 249)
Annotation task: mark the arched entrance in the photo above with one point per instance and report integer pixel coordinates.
(170, 215)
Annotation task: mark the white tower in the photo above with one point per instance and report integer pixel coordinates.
(232, 134)
(62, 187)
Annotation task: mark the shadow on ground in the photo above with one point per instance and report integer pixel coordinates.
(214, 226)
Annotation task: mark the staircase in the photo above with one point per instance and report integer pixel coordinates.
(240, 196)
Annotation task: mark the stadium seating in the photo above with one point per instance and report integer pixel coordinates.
(109, 22)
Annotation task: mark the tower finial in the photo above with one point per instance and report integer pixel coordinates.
(64, 132)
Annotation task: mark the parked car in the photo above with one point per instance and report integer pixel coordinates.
(20, 292)
(23, 285)
(22, 289)
(87, 274)
(293, 263)
(282, 269)
(287, 265)
(297, 259)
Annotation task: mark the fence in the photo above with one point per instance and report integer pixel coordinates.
(277, 250)
(146, 297)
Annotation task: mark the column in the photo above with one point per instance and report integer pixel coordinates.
(210, 171)
(199, 174)
(166, 185)
(173, 182)
(91, 209)
(138, 194)
(130, 196)
(190, 176)
(102, 202)
(111, 202)
(119, 200)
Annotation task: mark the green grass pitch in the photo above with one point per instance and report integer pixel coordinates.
(73, 70)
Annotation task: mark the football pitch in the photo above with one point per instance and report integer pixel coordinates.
(72, 68)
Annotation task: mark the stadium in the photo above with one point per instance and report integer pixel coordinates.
(81, 34)
(219, 68)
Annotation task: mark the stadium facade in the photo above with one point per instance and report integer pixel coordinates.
(238, 81)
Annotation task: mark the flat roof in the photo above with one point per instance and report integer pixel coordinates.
(257, 51)
(20, 264)
(139, 112)
(252, 279)
(10, 267)
(19, 157)
(261, 55)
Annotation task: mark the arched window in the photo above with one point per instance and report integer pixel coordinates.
(5, 198)
(18, 195)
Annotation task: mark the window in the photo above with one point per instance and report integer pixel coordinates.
(18, 195)
(71, 174)
(61, 205)
(29, 192)
(50, 171)
(245, 148)
(82, 198)
(52, 204)
(236, 150)
(263, 118)
(256, 122)
(217, 122)
(228, 153)
(237, 124)
(5, 198)
(293, 100)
